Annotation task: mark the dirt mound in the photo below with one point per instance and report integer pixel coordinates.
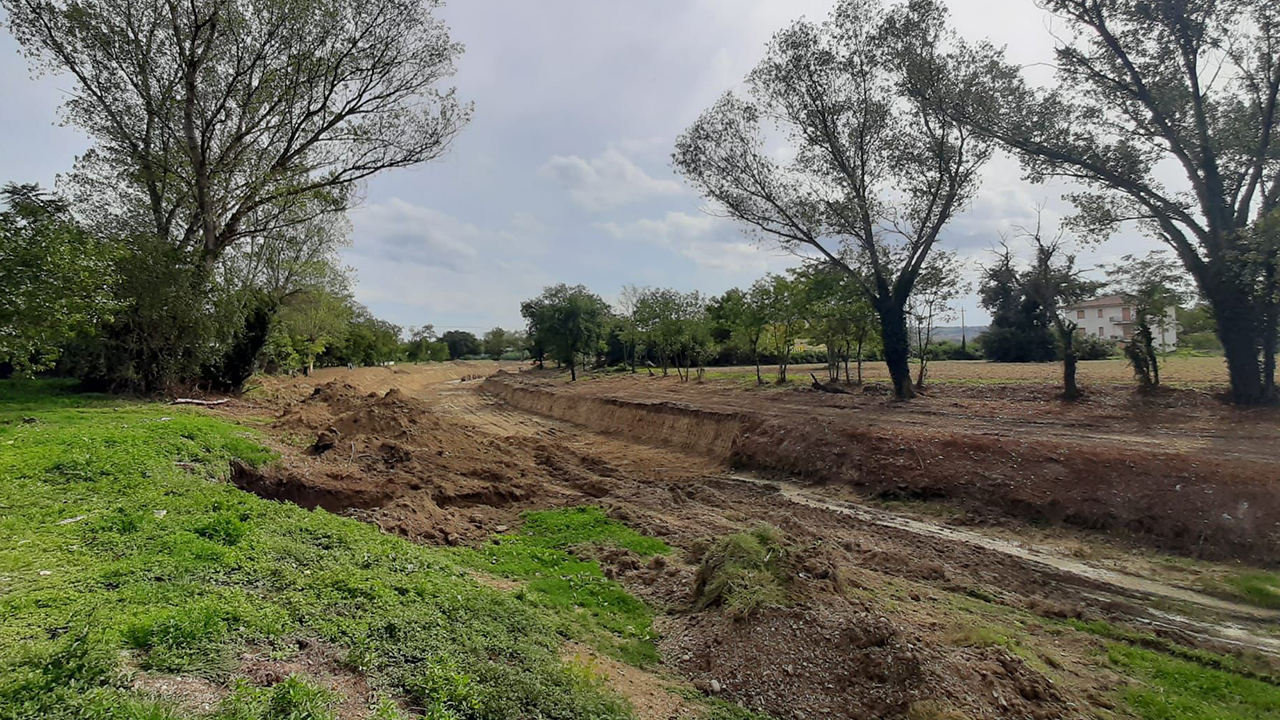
(392, 460)
(841, 659)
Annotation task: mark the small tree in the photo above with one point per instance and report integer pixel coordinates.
(746, 317)
(1153, 286)
(937, 287)
(783, 300)
(1054, 282)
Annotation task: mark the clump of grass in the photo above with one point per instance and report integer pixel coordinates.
(1255, 587)
(744, 572)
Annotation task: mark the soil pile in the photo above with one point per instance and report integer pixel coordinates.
(390, 459)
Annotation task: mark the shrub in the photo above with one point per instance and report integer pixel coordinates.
(1089, 347)
(744, 572)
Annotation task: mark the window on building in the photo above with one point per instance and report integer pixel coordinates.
(1079, 314)
(1099, 312)
(1125, 313)
(1100, 332)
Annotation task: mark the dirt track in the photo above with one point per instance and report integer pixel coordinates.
(443, 461)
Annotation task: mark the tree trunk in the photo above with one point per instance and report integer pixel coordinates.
(897, 348)
(1238, 332)
(1070, 390)
(1067, 336)
(573, 370)
(755, 355)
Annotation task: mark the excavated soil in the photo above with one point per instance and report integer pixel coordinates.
(1175, 472)
(867, 634)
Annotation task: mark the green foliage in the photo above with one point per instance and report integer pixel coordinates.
(461, 344)
(159, 558)
(1092, 347)
(502, 344)
(744, 572)
(1021, 329)
(565, 323)
(57, 279)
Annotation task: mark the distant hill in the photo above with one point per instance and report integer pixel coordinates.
(952, 332)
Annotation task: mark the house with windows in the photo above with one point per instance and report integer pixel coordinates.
(1111, 318)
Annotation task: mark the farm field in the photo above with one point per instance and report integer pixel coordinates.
(1199, 372)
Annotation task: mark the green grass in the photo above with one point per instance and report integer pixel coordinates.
(592, 607)
(744, 572)
(122, 550)
(1174, 689)
(1254, 587)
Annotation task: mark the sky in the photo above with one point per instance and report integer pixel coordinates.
(564, 174)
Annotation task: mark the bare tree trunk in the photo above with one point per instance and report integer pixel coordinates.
(1070, 391)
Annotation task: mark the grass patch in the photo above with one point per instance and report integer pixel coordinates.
(1149, 641)
(1254, 587)
(1176, 689)
(121, 549)
(591, 607)
(744, 572)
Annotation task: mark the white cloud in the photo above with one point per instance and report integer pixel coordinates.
(711, 242)
(428, 265)
(607, 181)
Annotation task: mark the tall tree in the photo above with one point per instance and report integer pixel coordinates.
(785, 308)
(222, 120)
(877, 171)
(1153, 286)
(1168, 113)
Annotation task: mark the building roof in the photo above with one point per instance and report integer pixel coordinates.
(1105, 301)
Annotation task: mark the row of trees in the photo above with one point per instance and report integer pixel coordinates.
(665, 329)
(889, 118)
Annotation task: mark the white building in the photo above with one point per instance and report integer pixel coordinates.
(1111, 318)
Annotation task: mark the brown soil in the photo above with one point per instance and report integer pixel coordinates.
(872, 630)
(1177, 471)
(319, 662)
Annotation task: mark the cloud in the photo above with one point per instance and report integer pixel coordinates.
(425, 265)
(711, 242)
(607, 181)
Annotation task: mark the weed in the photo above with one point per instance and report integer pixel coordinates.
(744, 572)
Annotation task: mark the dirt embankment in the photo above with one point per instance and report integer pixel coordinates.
(683, 427)
(1196, 503)
(392, 456)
